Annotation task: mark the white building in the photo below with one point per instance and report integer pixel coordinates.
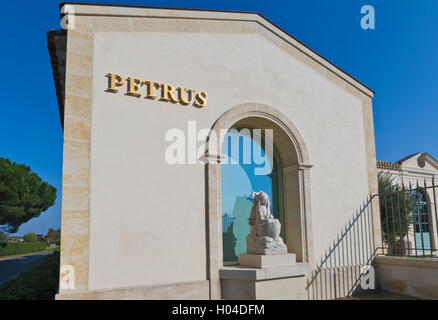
(417, 172)
(135, 225)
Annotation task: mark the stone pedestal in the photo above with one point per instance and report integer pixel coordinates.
(267, 261)
(280, 283)
(266, 271)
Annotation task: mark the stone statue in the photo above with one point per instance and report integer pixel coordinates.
(264, 236)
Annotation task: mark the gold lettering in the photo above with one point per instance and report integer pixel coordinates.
(168, 91)
(115, 80)
(151, 88)
(201, 99)
(133, 86)
(182, 99)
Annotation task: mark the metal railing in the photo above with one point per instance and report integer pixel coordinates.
(339, 271)
(409, 220)
(409, 227)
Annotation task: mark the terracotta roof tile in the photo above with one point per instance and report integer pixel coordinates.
(387, 165)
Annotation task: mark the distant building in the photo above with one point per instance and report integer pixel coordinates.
(418, 171)
(15, 239)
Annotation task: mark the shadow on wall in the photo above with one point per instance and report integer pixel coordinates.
(339, 272)
(229, 241)
(235, 229)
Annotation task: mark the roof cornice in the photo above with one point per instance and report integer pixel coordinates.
(101, 9)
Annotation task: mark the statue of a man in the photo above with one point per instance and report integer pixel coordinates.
(264, 236)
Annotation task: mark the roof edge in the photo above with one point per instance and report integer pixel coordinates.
(51, 46)
(430, 157)
(408, 157)
(346, 77)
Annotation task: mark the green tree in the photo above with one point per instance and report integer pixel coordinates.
(3, 238)
(395, 209)
(23, 195)
(30, 237)
(53, 236)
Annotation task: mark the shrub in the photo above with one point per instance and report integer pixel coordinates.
(21, 247)
(3, 238)
(395, 209)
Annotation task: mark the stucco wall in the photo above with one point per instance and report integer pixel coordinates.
(147, 218)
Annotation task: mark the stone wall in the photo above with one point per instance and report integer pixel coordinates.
(416, 277)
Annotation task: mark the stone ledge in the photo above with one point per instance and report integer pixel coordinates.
(247, 273)
(197, 290)
(267, 261)
(408, 261)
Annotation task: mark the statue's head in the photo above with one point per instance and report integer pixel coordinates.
(261, 198)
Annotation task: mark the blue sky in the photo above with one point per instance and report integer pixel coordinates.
(398, 60)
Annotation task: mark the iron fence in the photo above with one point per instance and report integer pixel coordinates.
(409, 227)
(338, 273)
(409, 220)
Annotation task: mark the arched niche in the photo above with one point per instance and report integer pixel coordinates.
(296, 183)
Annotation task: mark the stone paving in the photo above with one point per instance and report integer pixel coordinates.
(381, 295)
